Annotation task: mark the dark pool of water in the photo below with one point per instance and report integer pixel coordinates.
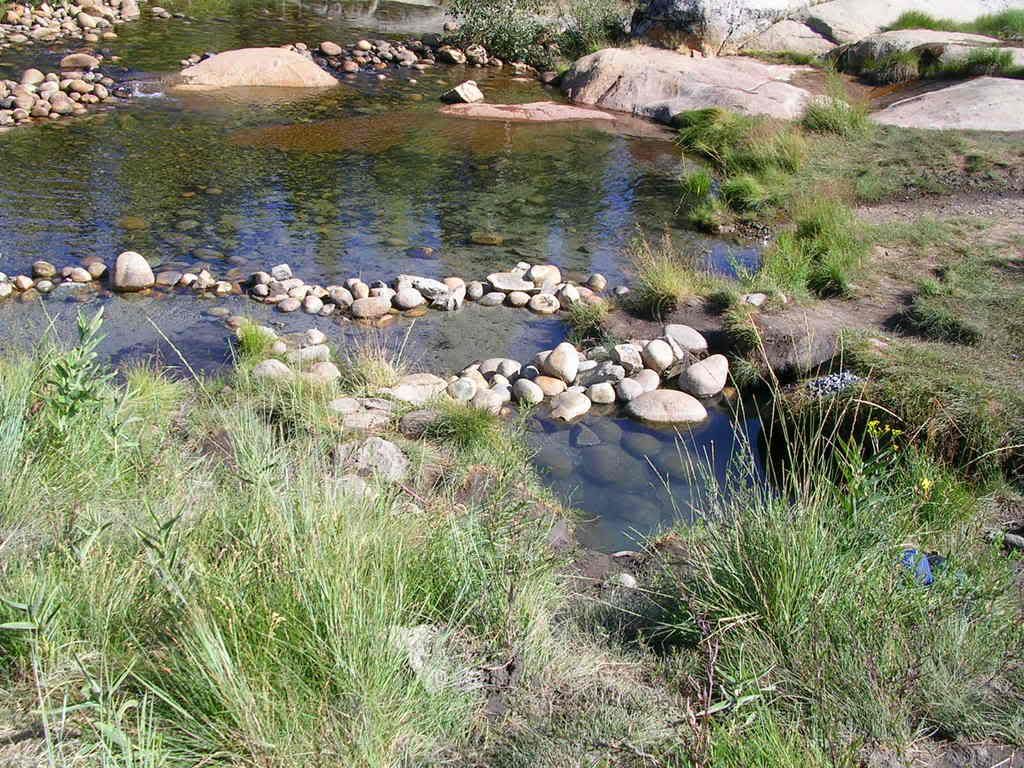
(368, 180)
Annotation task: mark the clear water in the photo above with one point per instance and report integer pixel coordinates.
(368, 180)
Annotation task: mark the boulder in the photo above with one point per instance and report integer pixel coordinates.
(706, 378)
(132, 273)
(272, 369)
(535, 112)
(256, 67)
(789, 36)
(660, 84)
(982, 104)
(527, 392)
(464, 93)
(709, 26)
(666, 406)
(846, 21)
(689, 339)
(863, 54)
(508, 281)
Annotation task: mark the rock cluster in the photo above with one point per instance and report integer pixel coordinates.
(539, 288)
(89, 21)
(50, 96)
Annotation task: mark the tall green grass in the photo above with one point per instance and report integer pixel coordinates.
(188, 574)
(836, 113)
(804, 638)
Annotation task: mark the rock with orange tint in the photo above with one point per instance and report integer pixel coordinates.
(255, 67)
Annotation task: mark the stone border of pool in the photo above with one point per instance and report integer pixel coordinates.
(572, 380)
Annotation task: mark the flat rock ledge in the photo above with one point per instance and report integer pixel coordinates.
(534, 112)
(659, 84)
(982, 104)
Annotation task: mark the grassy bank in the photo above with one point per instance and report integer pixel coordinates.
(1007, 25)
(190, 575)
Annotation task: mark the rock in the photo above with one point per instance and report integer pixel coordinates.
(544, 274)
(375, 457)
(706, 378)
(628, 389)
(508, 281)
(563, 363)
(711, 27)
(518, 299)
(281, 272)
(312, 305)
(982, 104)
(272, 369)
(488, 400)
(316, 353)
(550, 385)
(647, 379)
(417, 388)
(659, 84)
(462, 389)
(366, 421)
(628, 356)
(314, 336)
(423, 647)
(596, 282)
(658, 355)
(465, 93)
(475, 290)
(371, 307)
(602, 394)
(569, 405)
(641, 445)
(448, 55)
(327, 48)
(289, 305)
(43, 269)
(415, 424)
(846, 21)
(323, 373)
(544, 304)
(408, 298)
(534, 112)
(789, 36)
(492, 299)
(256, 67)
(567, 295)
(754, 299)
(666, 406)
(79, 61)
(344, 406)
(527, 392)
(132, 273)
(687, 338)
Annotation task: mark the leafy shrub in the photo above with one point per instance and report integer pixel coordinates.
(591, 25)
(513, 30)
(75, 381)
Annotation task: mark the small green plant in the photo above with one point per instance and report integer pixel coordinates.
(979, 62)
(923, 20)
(1008, 24)
(373, 363)
(75, 379)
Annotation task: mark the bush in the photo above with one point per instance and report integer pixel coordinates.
(591, 25)
(509, 29)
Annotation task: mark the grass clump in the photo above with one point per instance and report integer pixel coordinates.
(783, 599)
(465, 427)
(587, 321)
(818, 255)
(254, 341)
(979, 62)
(663, 277)
(1008, 24)
(373, 362)
(835, 113)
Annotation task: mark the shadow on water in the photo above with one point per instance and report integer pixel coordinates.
(367, 179)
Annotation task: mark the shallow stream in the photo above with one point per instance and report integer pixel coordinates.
(369, 180)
